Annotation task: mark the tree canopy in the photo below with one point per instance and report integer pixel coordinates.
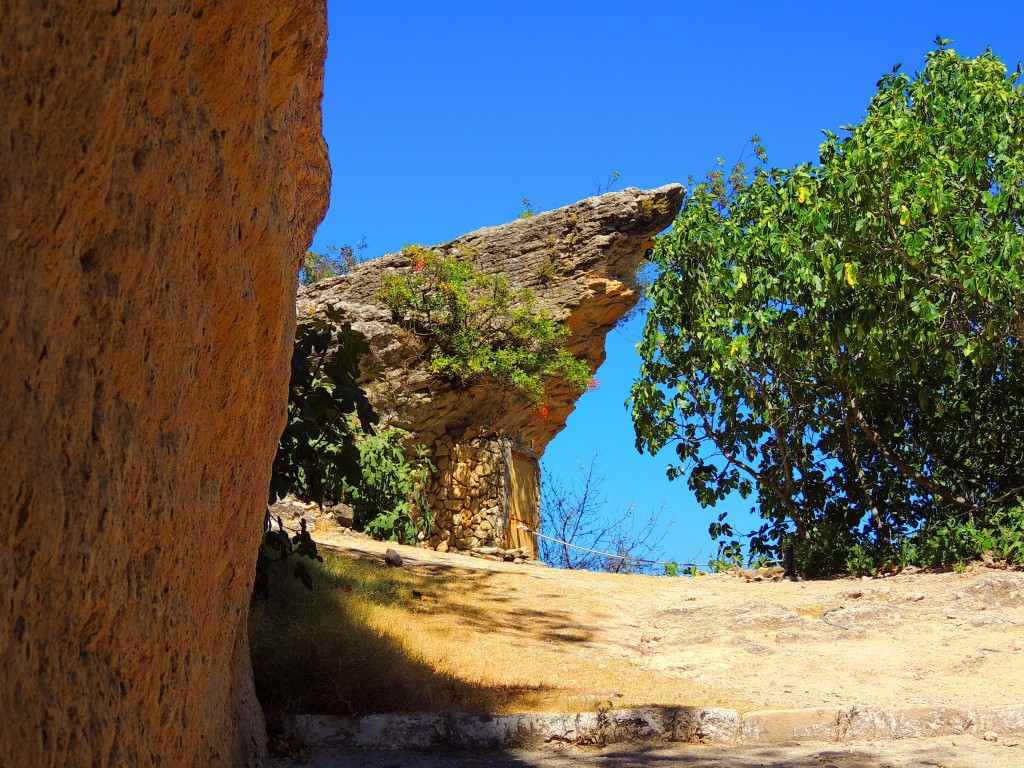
(844, 337)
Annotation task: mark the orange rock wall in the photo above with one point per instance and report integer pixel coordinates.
(163, 171)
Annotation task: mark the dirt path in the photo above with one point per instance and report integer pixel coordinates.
(923, 639)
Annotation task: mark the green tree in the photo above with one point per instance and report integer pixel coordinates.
(845, 337)
(338, 260)
(329, 452)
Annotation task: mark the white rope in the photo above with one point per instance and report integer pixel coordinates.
(607, 554)
(627, 557)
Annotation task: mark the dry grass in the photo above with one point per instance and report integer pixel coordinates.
(374, 639)
(814, 611)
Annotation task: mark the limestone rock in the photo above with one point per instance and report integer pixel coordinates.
(581, 262)
(163, 173)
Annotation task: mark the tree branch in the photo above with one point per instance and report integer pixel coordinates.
(731, 457)
(901, 464)
(862, 480)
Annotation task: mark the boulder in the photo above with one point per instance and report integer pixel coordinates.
(581, 261)
(163, 174)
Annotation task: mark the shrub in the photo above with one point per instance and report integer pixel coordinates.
(326, 409)
(476, 325)
(338, 260)
(329, 451)
(388, 495)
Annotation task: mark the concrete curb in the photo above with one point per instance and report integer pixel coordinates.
(712, 725)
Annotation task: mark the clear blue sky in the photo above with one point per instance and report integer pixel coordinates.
(441, 117)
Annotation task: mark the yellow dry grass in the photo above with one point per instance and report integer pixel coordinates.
(374, 639)
(813, 611)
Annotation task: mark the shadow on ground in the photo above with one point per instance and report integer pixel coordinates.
(316, 652)
(963, 752)
(324, 651)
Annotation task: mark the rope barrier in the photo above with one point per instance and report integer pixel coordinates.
(522, 526)
(630, 558)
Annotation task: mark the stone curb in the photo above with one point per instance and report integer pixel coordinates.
(712, 725)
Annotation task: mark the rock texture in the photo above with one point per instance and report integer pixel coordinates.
(163, 173)
(470, 493)
(581, 261)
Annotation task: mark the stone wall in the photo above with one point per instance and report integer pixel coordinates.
(469, 496)
(163, 174)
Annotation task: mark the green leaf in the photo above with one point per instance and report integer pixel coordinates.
(858, 417)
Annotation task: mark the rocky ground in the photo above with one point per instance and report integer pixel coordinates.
(912, 640)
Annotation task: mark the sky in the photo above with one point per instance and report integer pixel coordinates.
(442, 117)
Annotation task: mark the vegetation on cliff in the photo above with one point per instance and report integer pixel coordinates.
(477, 325)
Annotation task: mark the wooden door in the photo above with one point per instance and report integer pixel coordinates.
(524, 502)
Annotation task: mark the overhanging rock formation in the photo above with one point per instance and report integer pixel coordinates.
(163, 174)
(581, 261)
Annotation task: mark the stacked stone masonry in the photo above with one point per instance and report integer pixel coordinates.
(469, 493)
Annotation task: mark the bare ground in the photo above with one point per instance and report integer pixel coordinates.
(746, 641)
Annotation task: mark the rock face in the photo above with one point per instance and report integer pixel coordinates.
(581, 261)
(163, 173)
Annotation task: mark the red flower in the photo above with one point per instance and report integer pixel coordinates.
(419, 266)
(594, 385)
(543, 411)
